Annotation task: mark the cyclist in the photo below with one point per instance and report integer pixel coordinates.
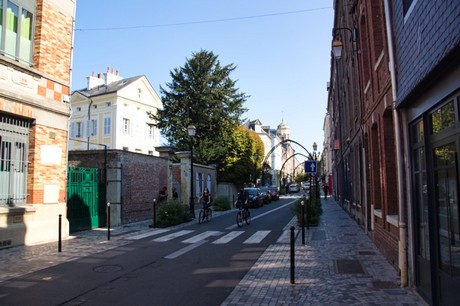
(206, 198)
(243, 199)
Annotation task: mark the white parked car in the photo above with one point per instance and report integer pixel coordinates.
(294, 188)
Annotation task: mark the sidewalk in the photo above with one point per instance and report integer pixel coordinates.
(338, 265)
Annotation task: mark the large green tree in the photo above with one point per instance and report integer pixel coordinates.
(203, 94)
(243, 159)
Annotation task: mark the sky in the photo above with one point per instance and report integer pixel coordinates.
(281, 50)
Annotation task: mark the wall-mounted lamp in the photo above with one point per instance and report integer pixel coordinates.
(337, 46)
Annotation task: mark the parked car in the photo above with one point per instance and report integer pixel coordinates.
(306, 185)
(293, 188)
(265, 194)
(274, 193)
(254, 198)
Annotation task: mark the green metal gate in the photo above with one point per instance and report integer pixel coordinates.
(85, 199)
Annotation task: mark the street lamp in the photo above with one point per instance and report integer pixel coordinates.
(255, 169)
(191, 132)
(315, 147)
(337, 46)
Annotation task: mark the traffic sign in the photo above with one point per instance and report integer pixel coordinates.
(310, 166)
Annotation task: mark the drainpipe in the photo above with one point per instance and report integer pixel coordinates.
(88, 128)
(399, 158)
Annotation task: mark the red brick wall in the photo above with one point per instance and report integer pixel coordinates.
(53, 38)
(387, 243)
(142, 176)
(39, 173)
(378, 124)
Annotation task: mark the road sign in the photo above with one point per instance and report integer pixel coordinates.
(310, 166)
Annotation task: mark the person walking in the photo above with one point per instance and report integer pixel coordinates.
(163, 194)
(325, 189)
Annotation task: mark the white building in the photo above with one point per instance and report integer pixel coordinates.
(112, 112)
(271, 140)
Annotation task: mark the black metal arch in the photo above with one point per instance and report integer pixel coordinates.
(273, 149)
(292, 157)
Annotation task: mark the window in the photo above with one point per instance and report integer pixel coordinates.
(14, 147)
(443, 118)
(91, 128)
(150, 131)
(79, 129)
(126, 124)
(107, 125)
(16, 29)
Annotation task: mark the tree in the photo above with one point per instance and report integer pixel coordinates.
(240, 166)
(203, 94)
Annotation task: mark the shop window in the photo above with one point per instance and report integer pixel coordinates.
(443, 118)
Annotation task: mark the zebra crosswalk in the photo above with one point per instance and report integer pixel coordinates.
(215, 237)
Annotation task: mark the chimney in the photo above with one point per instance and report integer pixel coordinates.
(110, 77)
(93, 81)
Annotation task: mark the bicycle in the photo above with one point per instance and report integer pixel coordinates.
(205, 214)
(243, 215)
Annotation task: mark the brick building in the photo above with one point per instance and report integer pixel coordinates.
(405, 125)
(35, 69)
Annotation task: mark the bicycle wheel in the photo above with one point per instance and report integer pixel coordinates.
(239, 218)
(209, 215)
(248, 217)
(201, 217)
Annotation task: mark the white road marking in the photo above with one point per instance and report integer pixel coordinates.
(185, 250)
(261, 215)
(148, 234)
(257, 237)
(202, 236)
(172, 236)
(229, 237)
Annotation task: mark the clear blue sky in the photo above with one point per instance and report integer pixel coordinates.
(281, 49)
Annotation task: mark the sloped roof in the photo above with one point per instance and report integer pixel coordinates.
(111, 88)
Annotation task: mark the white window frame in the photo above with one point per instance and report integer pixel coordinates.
(126, 128)
(107, 126)
(150, 131)
(79, 129)
(93, 127)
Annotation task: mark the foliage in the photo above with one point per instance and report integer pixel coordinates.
(172, 212)
(222, 203)
(302, 177)
(203, 94)
(315, 209)
(240, 166)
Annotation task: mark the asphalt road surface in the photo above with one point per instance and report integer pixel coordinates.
(199, 264)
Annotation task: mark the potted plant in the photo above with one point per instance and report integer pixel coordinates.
(315, 210)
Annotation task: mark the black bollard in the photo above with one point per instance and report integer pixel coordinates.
(108, 220)
(303, 222)
(292, 256)
(154, 212)
(60, 234)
